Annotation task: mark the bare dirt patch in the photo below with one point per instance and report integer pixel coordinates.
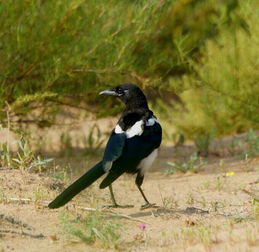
(205, 211)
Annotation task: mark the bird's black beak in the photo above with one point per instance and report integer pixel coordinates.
(108, 92)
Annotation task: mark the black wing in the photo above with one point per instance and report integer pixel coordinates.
(134, 150)
(113, 150)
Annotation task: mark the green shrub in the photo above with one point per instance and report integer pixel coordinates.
(222, 93)
(62, 53)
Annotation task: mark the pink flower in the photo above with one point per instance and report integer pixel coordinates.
(142, 226)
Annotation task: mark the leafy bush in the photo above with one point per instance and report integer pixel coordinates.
(222, 93)
(62, 53)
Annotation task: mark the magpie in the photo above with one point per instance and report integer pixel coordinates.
(131, 148)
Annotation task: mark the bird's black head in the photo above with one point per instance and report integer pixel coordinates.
(130, 94)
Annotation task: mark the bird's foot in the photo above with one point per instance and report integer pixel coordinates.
(148, 205)
(118, 206)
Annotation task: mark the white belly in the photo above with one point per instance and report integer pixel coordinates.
(146, 163)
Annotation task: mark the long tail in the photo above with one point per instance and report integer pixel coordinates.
(86, 180)
(111, 176)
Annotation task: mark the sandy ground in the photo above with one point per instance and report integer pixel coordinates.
(203, 211)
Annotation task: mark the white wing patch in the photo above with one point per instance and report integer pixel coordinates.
(146, 163)
(118, 129)
(135, 130)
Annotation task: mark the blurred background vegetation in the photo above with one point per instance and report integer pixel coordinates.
(197, 60)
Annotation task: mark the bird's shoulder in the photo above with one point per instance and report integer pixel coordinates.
(135, 123)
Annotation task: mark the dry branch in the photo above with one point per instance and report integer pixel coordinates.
(14, 221)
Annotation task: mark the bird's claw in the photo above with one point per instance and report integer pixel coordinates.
(148, 205)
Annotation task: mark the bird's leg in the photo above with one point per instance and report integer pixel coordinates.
(112, 196)
(147, 204)
(114, 203)
(139, 181)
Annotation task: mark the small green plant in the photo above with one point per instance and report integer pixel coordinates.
(219, 183)
(192, 164)
(94, 228)
(25, 158)
(39, 163)
(202, 143)
(199, 232)
(60, 173)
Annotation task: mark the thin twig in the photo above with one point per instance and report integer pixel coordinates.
(22, 233)
(19, 200)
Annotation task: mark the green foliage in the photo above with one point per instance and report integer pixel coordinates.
(59, 53)
(192, 164)
(94, 228)
(24, 154)
(222, 92)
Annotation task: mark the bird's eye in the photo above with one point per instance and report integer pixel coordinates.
(120, 91)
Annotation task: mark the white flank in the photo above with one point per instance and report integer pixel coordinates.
(151, 121)
(146, 163)
(135, 130)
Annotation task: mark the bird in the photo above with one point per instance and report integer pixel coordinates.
(131, 148)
